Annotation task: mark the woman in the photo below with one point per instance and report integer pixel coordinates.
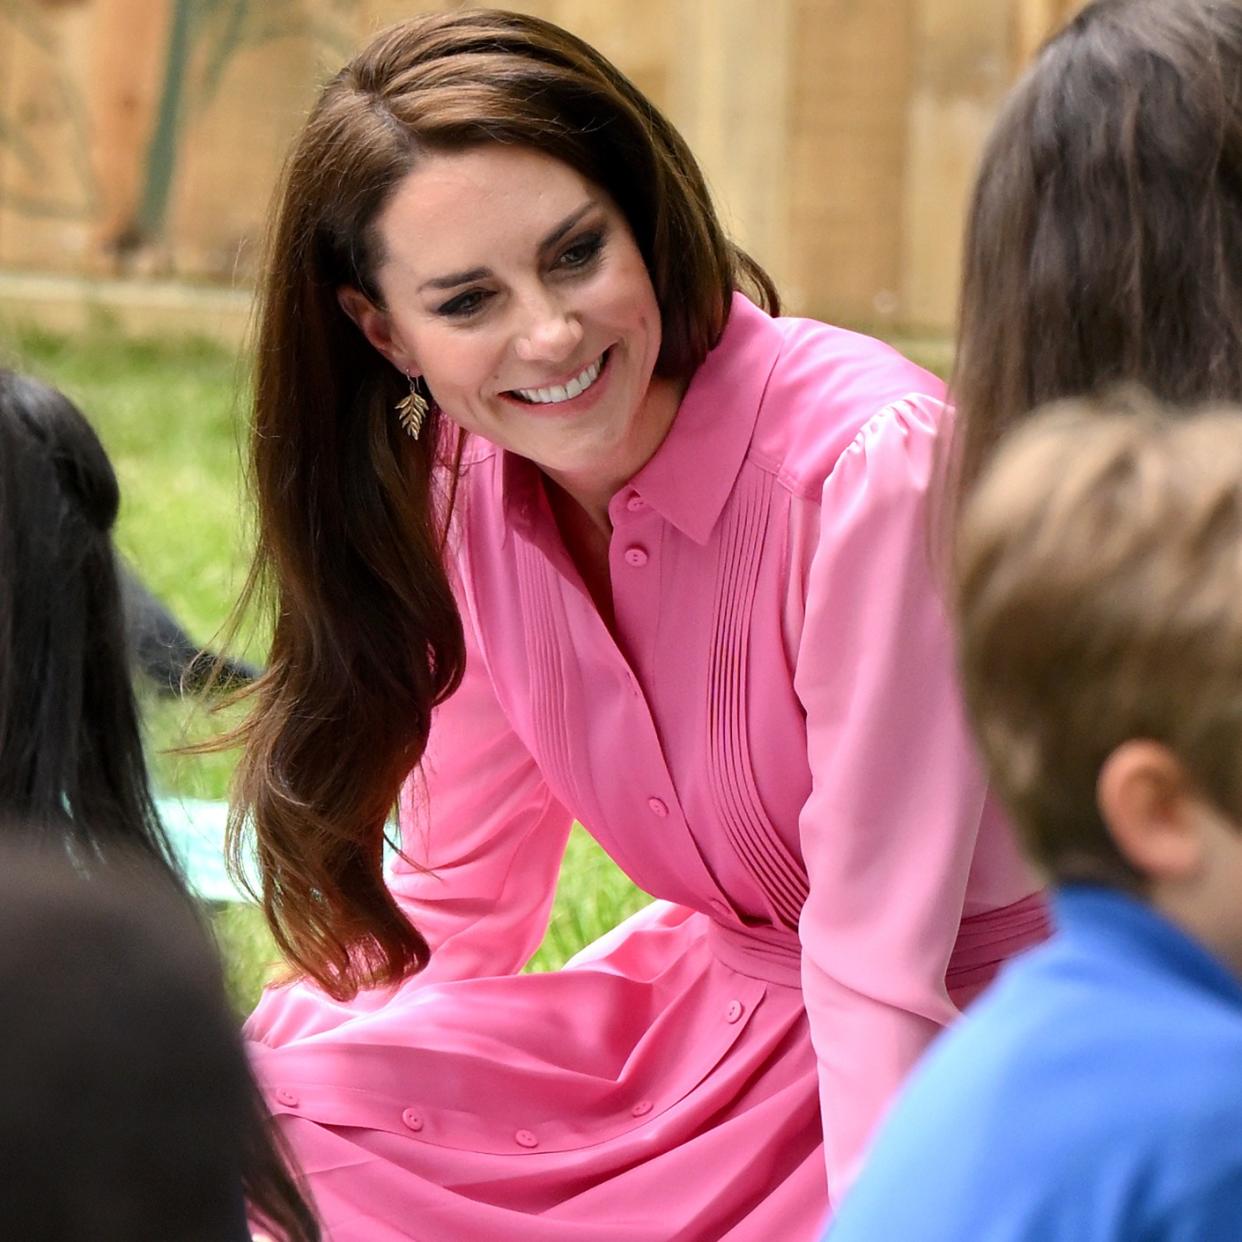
(672, 581)
(73, 782)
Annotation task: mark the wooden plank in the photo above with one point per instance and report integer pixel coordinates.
(124, 78)
(850, 71)
(961, 72)
(729, 96)
(252, 73)
(48, 192)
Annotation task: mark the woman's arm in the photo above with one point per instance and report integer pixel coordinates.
(889, 830)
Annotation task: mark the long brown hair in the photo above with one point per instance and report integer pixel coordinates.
(367, 637)
(1104, 242)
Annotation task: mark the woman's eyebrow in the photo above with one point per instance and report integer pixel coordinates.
(565, 225)
(454, 279)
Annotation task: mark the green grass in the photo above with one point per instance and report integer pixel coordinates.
(171, 415)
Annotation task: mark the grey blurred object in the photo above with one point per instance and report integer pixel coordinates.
(165, 653)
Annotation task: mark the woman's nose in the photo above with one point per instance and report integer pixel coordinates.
(549, 332)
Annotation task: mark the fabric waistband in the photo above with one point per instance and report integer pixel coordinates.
(774, 954)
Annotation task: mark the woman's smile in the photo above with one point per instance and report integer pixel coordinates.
(577, 393)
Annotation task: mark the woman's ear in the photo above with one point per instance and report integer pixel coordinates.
(374, 324)
(1148, 803)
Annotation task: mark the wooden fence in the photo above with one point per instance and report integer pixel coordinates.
(141, 138)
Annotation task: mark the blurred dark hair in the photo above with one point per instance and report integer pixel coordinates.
(73, 785)
(367, 638)
(127, 1108)
(1104, 242)
(72, 769)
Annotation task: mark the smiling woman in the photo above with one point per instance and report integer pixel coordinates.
(559, 523)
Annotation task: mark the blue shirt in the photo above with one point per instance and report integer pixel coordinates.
(1094, 1094)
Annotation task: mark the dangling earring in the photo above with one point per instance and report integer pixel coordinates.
(412, 409)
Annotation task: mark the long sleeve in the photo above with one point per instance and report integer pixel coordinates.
(482, 837)
(889, 830)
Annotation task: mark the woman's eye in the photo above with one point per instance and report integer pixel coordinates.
(582, 252)
(464, 304)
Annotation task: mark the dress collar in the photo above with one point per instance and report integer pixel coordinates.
(691, 474)
(1131, 930)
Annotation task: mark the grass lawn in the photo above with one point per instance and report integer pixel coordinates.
(171, 415)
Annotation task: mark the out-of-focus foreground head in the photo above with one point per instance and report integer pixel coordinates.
(1098, 599)
(1104, 241)
(125, 1097)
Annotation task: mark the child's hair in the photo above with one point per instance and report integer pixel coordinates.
(127, 1109)
(73, 783)
(1098, 593)
(1104, 241)
(72, 769)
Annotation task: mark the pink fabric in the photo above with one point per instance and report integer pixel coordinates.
(774, 748)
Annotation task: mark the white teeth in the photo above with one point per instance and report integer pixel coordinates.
(566, 392)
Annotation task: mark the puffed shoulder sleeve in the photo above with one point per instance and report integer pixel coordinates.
(890, 826)
(482, 836)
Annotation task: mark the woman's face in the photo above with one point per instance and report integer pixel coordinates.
(515, 288)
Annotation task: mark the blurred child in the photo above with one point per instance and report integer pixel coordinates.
(1104, 242)
(124, 1091)
(109, 992)
(1095, 1093)
(72, 769)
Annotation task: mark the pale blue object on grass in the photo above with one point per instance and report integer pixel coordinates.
(195, 828)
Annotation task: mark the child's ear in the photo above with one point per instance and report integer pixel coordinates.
(374, 324)
(1148, 804)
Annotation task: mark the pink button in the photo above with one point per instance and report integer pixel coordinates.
(635, 503)
(286, 1097)
(642, 1108)
(657, 807)
(734, 1011)
(412, 1119)
(524, 1138)
(636, 556)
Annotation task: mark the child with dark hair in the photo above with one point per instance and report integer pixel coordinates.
(71, 762)
(110, 1125)
(1095, 1094)
(1104, 239)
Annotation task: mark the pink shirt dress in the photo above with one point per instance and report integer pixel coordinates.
(773, 746)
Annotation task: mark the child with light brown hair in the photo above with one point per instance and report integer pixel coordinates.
(1096, 1092)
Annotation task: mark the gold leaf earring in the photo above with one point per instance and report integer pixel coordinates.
(412, 410)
